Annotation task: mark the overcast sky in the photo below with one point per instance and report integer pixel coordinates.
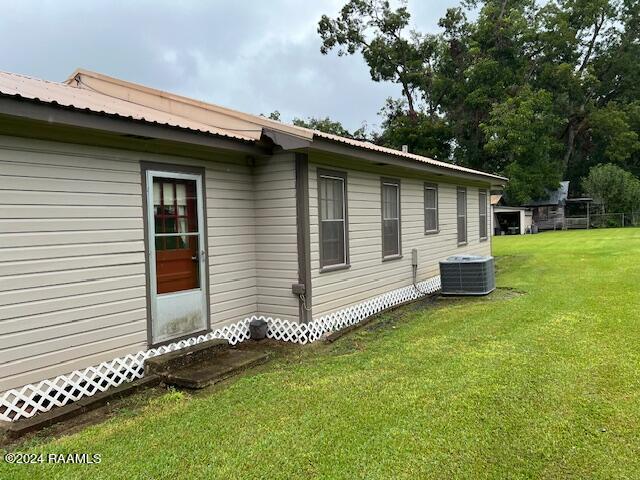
(251, 55)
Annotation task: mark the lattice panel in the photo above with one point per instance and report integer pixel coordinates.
(41, 397)
(31, 399)
(303, 333)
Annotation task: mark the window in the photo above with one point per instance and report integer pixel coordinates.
(462, 215)
(390, 218)
(482, 200)
(430, 208)
(332, 204)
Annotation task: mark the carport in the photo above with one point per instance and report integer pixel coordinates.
(511, 220)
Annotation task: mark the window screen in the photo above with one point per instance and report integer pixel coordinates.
(482, 201)
(390, 218)
(332, 205)
(430, 208)
(462, 215)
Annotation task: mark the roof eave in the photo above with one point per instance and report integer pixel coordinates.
(347, 149)
(54, 113)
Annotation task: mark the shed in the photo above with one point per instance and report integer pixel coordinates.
(508, 220)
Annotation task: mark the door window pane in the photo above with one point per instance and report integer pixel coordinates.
(168, 198)
(176, 234)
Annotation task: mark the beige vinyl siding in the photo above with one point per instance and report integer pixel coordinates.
(72, 264)
(368, 275)
(231, 238)
(276, 236)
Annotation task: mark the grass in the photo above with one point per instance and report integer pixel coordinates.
(545, 384)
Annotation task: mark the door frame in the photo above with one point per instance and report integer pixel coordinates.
(149, 253)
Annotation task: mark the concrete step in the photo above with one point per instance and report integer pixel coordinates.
(204, 364)
(220, 367)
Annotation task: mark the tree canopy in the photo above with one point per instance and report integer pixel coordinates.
(538, 92)
(616, 189)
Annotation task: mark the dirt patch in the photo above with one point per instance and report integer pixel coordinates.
(356, 338)
(499, 294)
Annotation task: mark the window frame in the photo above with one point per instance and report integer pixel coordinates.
(460, 190)
(431, 186)
(334, 174)
(395, 182)
(482, 192)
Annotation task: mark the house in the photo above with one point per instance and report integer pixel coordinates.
(549, 211)
(556, 211)
(135, 222)
(509, 220)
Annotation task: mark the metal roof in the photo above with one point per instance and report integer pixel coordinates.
(59, 93)
(95, 92)
(399, 153)
(554, 197)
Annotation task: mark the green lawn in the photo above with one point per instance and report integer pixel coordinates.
(543, 384)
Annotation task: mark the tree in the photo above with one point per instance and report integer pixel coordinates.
(275, 115)
(617, 189)
(536, 91)
(374, 29)
(324, 125)
(483, 63)
(521, 141)
(422, 134)
(378, 32)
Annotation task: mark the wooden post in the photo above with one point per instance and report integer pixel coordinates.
(588, 215)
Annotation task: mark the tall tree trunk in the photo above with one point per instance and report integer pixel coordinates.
(572, 131)
(409, 97)
(596, 30)
(571, 141)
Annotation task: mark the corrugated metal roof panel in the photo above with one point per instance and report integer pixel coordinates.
(495, 199)
(65, 95)
(90, 99)
(231, 115)
(399, 153)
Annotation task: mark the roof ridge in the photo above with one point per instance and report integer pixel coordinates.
(247, 117)
(36, 79)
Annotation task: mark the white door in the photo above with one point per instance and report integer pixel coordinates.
(177, 254)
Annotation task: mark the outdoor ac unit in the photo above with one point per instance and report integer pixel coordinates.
(467, 275)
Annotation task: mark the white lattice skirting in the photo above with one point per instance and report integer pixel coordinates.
(41, 397)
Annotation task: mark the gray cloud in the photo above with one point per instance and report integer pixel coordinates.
(250, 55)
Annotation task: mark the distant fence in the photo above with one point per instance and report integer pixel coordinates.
(603, 220)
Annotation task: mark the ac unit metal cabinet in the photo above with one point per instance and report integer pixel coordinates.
(467, 275)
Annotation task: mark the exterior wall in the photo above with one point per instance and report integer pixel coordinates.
(276, 236)
(368, 274)
(549, 217)
(72, 264)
